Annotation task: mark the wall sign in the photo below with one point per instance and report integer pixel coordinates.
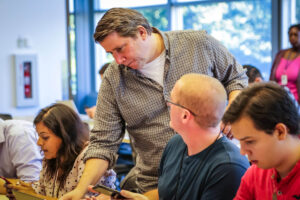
(26, 80)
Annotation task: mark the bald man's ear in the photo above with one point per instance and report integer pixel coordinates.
(186, 116)
(281, 131)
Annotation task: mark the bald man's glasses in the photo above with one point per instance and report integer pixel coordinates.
(168, 101)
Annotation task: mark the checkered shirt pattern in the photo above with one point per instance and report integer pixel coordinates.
(129, 100)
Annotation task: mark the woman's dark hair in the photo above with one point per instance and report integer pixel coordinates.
(294, 26)
(67, 125)
(267, 104)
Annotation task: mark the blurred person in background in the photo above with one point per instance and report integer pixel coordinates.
(253, 74)
(91, 110)
(286, 65)
(20, 156)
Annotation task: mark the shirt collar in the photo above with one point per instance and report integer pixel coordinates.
(2, 138)
(287, 179)
(165, 39)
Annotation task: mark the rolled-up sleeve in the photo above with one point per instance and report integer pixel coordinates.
(225, 66)
(109, 127)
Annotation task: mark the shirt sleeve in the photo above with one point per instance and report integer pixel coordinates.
(224, 182)
(245, 191)
(225, 66)
(24, 152)
(109, 126)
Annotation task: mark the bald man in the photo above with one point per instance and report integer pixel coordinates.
(199, 162)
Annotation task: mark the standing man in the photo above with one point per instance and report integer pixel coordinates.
(147, 64)
(265, 119)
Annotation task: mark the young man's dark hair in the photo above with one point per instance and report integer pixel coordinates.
(253, 73)
(266, 104)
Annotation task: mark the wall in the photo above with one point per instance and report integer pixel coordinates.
(43, 24)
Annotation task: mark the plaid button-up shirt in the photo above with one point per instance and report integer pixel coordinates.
(129, 100)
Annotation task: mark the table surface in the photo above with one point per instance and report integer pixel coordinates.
(3, 197)
(22, 189)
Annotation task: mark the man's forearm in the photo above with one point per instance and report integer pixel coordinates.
(94, 169)
(232, 95)
(152, 194)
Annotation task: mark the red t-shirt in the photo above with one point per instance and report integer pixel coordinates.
(261, 184)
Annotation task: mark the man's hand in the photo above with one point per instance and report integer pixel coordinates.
(226, 129)
(73, 195)
(9, 193)
(124, 193)
(133, 196)
(20, 185)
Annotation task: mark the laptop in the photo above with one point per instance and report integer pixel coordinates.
(72, 105)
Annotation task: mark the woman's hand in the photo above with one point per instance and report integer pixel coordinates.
(9, 193)
(20, 185)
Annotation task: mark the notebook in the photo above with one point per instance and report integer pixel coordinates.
(21, 195)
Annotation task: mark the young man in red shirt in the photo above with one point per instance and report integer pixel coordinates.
(264, 119)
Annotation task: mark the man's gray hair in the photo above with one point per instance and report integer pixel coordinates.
(124, 21)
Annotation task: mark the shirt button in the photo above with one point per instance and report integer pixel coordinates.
(279, 192)
(272, 176)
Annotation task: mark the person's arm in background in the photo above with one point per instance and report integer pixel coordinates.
(232, 95)
(226, 128)
(105, 139)
(90, 111)
(275, 64)
(23, 150)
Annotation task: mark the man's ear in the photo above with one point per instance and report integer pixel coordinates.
(281, 131)
(142, 32)
(186, 116)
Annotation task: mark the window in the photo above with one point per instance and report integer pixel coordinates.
(72, 50)
(297, 11)
(244, 27)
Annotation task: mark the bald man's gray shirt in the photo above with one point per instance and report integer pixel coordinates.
(129, 100)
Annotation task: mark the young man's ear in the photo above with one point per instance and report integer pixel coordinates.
(281, 131)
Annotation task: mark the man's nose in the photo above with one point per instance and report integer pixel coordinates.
(119, 58)
(243, 150)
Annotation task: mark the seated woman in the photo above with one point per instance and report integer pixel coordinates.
(63, 138)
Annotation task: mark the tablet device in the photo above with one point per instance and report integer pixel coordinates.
(108, 191)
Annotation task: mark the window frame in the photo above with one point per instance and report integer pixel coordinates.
(84, 12)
